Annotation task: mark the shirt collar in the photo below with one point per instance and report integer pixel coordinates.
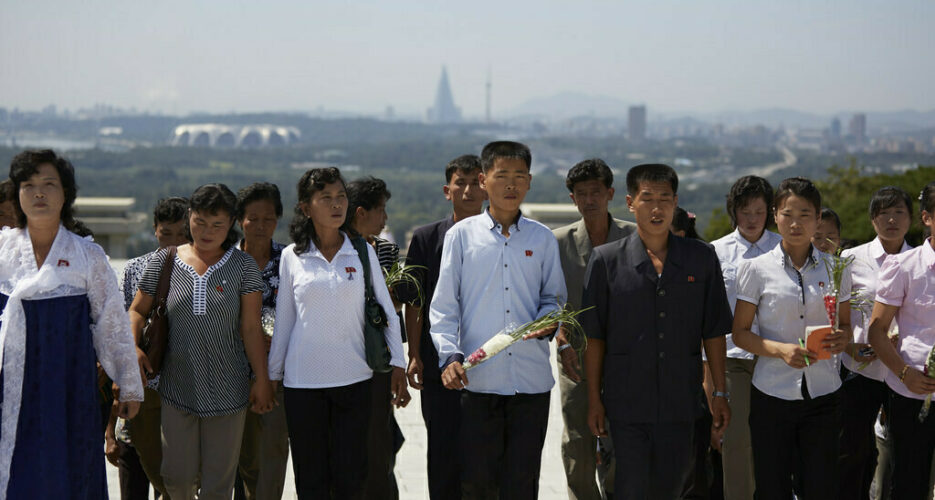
(814, 257)
(347, 248)
(928, 254)
(516, 223)
(878, 252)
(762, 244)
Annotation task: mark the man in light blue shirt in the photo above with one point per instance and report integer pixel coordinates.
(499, 270)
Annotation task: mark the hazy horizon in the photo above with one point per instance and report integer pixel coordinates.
(701, 57)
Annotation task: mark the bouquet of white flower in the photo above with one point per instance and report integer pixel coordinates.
(507, 337)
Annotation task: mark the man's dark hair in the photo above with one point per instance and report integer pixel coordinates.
(256, 192)
(366, 192)
(464, 164)
(651, 172)
(798, 186)
(504, 149)
(589, 170)
(27, 163)
(828, 214)
(744, 191)
(214, 199)
(170, 210)
(7, 191)
(302, 228)
(889, 197)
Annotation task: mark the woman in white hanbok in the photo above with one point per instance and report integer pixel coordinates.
(62, 312)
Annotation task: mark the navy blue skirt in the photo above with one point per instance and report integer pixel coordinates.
(59, 444)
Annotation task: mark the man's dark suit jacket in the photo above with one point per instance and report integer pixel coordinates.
(654, 326)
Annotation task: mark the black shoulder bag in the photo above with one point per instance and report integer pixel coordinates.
(378, 354)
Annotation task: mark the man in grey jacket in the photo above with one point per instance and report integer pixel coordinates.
(591, 185)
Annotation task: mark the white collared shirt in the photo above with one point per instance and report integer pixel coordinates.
(732, 250)
(907, 281)
(867, 261)
(788, 300)
(318, 337)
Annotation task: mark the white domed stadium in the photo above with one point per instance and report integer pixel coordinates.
(213, 135)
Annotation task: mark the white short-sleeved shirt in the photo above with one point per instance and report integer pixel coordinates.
(907, 281)
(318, 337)
(788, 300)
(864, 271)
(732, 250)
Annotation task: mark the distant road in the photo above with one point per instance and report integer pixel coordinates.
(788, 159)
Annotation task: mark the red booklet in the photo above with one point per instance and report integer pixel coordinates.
(814, 336)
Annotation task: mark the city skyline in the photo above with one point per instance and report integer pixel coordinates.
(179, 57)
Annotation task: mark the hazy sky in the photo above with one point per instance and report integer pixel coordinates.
(692, 55)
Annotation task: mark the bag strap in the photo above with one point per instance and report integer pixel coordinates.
(165, 276)
(361, 246)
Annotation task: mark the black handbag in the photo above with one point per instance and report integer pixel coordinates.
(154, 340)
(377, 352)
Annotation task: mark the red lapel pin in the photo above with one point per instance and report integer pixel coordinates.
(528, 253)
(63, 263)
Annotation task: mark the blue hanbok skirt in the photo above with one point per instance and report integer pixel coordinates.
(59, 444)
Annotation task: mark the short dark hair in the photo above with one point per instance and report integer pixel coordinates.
(683, 220)
(464, 164)
(927, 198)
(213, 199)
(27, 163)
(506, 150)
(302, 228)
(365, 192)
(828, 214)
(256, 192)
(589, 170)
(798, 186)
(172, 209)
(7, 191)
(651, 172)
(744, 191)
(889, 197)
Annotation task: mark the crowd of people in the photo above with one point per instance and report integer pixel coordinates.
(767, 364)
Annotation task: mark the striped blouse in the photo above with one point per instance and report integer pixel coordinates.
(205, 371)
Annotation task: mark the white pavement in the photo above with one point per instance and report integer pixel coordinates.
(410, 462)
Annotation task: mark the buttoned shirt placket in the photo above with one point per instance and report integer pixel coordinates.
(507, 284)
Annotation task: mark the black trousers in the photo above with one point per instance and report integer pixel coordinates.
(328, 439)
(913, 444)
(861, 400)
(381, 441)
(653, 460)
(797, 438)
(698, 486)
(441, 411)
(501, 443)
(134, 485)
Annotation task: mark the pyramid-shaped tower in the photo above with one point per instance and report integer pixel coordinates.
(444, 110)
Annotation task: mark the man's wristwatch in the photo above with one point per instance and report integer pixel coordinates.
(722, 394)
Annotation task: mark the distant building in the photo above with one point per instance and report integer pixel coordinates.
(636, 125)
(858, 128)
(553, 215)
(212, 135)
(444, 110)
(112, 221)
(835, 128)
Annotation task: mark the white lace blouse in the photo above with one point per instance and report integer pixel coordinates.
(74, 266)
